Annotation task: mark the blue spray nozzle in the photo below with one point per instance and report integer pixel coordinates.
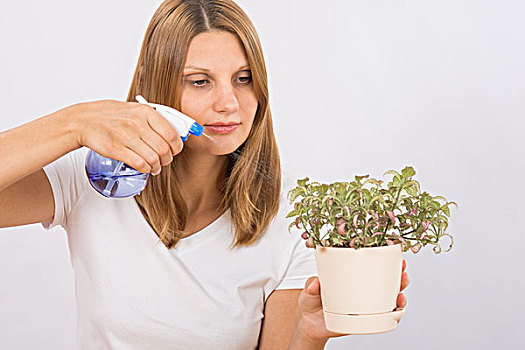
(196, 129)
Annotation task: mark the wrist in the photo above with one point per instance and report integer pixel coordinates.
(301, 340)
(67, 119)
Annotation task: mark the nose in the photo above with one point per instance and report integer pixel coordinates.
(226, 101)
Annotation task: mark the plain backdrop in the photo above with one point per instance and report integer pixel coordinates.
(357, 87)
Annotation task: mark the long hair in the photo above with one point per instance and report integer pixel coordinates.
(252, 184)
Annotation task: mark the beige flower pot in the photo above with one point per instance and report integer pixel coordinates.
(359, 288)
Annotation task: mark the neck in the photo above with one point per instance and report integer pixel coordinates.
(199, 176)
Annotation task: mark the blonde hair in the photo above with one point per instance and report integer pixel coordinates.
(252, 184)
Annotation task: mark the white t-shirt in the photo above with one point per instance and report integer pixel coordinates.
(134, 293)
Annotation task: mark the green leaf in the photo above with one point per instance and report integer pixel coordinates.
(446, 210)
(292, 213)
(303, 182)
(374, 181)
(296, 192)
(397, 180)
(454, 203)
(411, 191)
(414, 184)
(439, 198)
(378, 198)
(408, 172)
(359, 178)
(391, 172)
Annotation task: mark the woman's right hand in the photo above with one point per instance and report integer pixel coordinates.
(128, 131)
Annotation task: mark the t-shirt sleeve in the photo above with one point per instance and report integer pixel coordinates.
(68, 180)
(300, 259)
(301, 266)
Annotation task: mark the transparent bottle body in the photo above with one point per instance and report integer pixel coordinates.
(113, 178)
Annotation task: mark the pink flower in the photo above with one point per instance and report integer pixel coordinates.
(426, 224)
(341, 229)
(347, 210)
(297, 222)
(330, 202)
(352, 243)
(304, 235)
(389, 242)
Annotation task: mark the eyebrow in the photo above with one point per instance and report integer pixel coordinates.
(207, 70)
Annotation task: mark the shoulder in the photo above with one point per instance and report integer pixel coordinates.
(280, 222)
(288, 183)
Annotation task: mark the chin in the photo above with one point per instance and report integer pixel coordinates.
(222, 150)
(217, 147)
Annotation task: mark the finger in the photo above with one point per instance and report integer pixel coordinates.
(401, 300)
(404, 281)
(310, 299)
(148, 155)
(134, 160)
(158, 144)
(162, 127)
(314, 288)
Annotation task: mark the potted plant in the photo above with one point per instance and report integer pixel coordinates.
(360, 230)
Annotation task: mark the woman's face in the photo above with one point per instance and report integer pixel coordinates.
(217, 91)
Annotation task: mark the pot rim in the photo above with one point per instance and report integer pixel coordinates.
(376, 248)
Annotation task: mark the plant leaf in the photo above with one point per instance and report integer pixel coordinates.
(292, 213)
(408, 172)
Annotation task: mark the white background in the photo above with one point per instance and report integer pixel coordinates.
(356, 87)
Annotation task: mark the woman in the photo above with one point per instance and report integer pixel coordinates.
(227, 275)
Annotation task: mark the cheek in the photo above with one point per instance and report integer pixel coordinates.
(249, 105)
(193, 106)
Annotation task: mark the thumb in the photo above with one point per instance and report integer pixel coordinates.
(313, 286)
(310, 298)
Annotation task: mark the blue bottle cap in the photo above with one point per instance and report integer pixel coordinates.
(196, 129)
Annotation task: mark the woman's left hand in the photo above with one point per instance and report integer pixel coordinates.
(310, 309)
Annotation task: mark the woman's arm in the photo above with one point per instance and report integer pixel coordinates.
(29, 147)
(131, 132)
(280, 324)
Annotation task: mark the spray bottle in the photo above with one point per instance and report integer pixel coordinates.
(115, 179)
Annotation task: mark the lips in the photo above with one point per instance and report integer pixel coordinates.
(222, 128)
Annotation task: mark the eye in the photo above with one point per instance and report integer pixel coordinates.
(245, 80)
(198, 83)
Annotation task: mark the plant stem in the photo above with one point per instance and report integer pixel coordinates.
(394, 205)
